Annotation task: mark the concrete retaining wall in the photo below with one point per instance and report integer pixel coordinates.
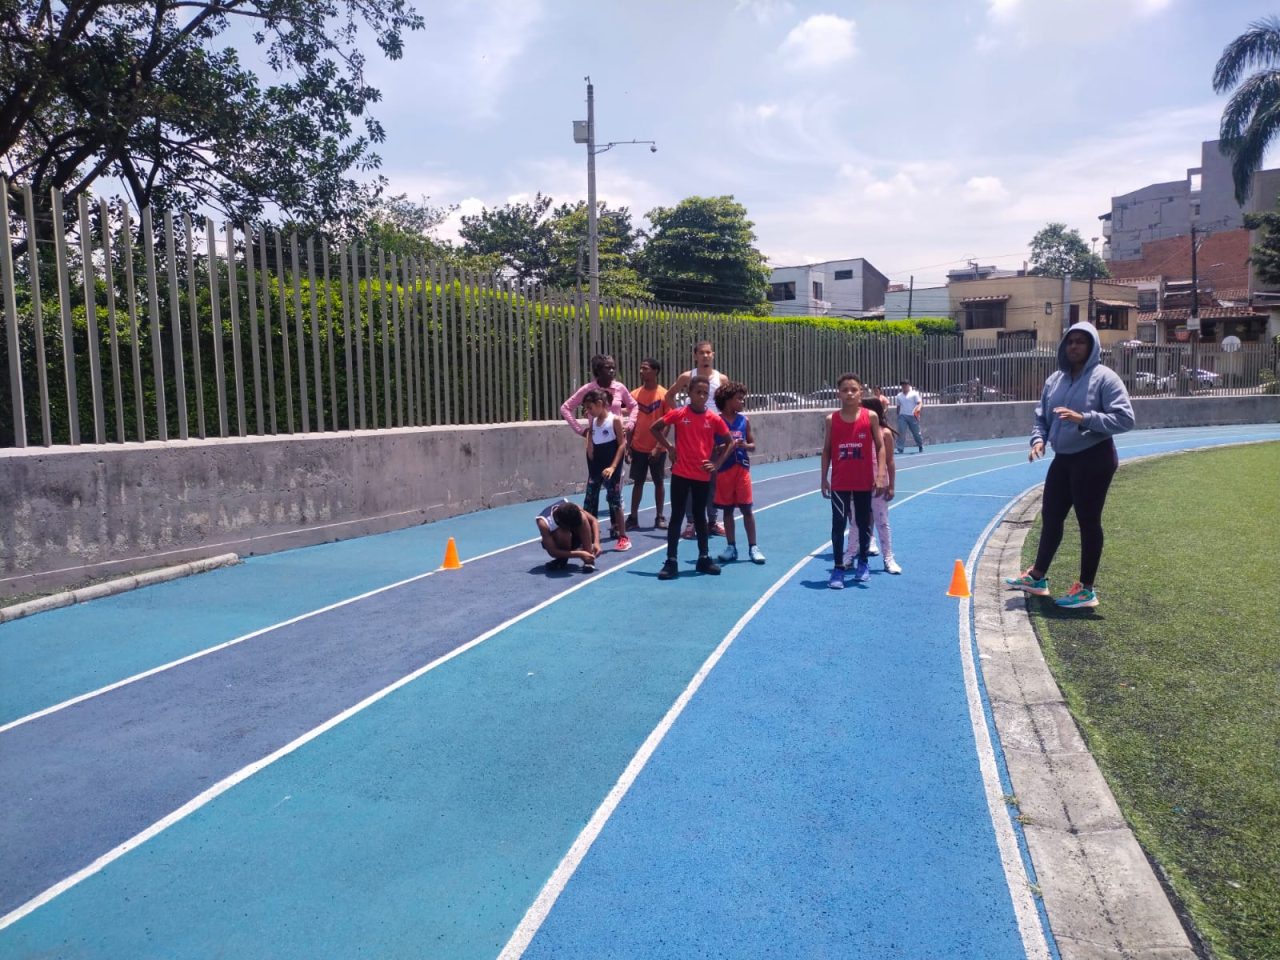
(72, 514)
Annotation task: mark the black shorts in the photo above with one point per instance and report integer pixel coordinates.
(651, 464)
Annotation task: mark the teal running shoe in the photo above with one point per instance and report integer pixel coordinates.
(1078, 598)
(1029, 584)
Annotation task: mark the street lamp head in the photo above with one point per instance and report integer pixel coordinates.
(653, 148)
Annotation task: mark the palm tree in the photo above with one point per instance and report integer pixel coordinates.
(1252, 117)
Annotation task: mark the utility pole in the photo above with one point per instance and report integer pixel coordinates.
(911, 292)
(1093, 310)
(1193, 318)
(585, 132)
(593, 227)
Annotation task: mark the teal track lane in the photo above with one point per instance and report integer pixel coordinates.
(819, 795)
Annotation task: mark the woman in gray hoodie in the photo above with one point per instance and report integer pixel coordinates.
(1083, 405)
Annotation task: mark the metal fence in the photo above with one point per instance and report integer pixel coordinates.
(122, 331)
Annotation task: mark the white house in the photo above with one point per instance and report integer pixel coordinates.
(836, 288)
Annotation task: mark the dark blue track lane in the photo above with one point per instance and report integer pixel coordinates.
(819, 795)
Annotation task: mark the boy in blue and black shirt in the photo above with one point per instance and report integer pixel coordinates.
(733, 480)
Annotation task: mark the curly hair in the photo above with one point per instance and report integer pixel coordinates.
(728, 390)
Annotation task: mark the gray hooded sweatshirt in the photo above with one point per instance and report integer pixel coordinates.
(1097, 392)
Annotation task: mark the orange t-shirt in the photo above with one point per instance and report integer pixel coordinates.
(650, 406)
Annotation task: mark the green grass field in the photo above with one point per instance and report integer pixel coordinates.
(1175, 678)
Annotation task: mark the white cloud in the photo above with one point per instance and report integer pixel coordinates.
(985, 190)
(1028, 23)
(766, 110)
(821, 41)
(765, 11)
(448, 230)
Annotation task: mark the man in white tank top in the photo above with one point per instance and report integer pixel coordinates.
(704, 356)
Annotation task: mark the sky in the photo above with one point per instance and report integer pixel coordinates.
(917, 134)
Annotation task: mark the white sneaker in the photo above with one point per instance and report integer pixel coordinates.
(874, 549)
(891, 565)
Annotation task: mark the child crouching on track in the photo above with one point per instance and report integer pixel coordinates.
(698, 431)
(606, 443)
(880, 501)
(733, 480)
(568, 533)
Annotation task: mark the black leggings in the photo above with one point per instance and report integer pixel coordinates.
(1079, 481)
(840, 500)
(698, 492)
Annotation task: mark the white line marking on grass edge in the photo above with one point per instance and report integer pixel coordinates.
(551, 890)
(1015, 873)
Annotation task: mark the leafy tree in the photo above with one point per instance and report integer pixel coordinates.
(518, 234)
(617, 245)
(1251, 119)
(1059, 252)
(1265, 255)
(141, 91)
(702, 253)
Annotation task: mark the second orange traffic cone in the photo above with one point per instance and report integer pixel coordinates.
(451, 561)
(959, 582)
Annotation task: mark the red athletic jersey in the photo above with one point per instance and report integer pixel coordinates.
(852, 453)
(695, 439)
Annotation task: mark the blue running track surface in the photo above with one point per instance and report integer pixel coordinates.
(342, 752)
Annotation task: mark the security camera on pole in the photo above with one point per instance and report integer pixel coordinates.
(585, 132)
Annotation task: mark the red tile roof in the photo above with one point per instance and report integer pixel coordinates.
(1206, 313)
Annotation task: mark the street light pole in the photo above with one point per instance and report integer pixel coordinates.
(593, 226)
(585, 132)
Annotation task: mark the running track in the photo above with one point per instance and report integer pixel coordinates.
(338, 752)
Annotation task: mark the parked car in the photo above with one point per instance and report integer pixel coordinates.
(1201, 380)
(971, 393)
(826, 397)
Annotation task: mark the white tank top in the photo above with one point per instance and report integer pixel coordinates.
(714, 384)
(603, 433)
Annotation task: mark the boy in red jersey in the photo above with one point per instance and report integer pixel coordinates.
(853, 433)
(698, 430)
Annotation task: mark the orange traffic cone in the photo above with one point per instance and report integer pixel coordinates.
(959, 582)
(451, 561)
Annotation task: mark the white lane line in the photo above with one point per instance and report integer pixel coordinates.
(1015, 872)
(1016, 878)
(400, 583)
(222, 786)
(241, 639)
(244, 773)
(551, 890)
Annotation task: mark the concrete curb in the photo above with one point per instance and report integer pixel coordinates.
(1102, 897)
(111, 587)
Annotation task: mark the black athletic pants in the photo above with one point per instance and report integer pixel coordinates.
(840, 502)
(698, 492)
(1077, 481)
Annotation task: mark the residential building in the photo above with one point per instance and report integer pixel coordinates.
(922, 302)
(1227, 301)
(1206, 196)
(840, 288)
(1039, 309)
(977, 271)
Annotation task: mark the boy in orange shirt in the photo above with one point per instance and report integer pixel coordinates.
(646, 459)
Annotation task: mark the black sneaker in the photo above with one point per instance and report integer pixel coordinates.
(558, 564)
(633, 523)
(670, 570)
(707, 565)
